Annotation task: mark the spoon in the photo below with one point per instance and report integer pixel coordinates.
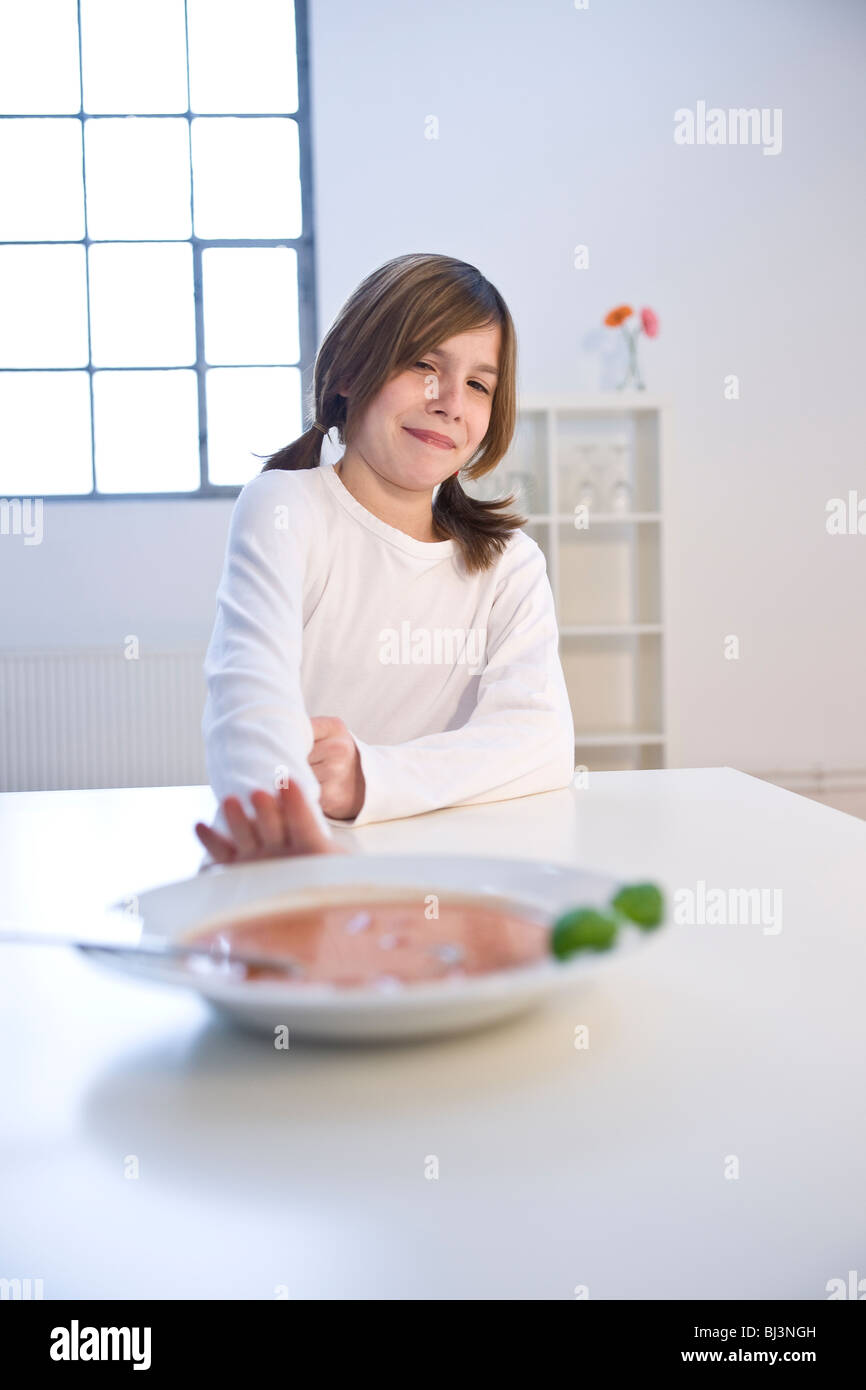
(168, 951)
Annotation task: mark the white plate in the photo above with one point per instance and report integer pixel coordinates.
(368, 1013)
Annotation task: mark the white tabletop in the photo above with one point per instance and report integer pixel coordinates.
(302, 1173)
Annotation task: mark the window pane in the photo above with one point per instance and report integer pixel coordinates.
(250, 66)
(142, 306)
(133, 55)
(250, 304)
(146, 426)
(44, 433)
(137, 178)
(249, 409)
(44, 317)
(41, 190)
(39, 58)
(246, 177)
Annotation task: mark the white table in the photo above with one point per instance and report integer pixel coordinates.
(303, 1172)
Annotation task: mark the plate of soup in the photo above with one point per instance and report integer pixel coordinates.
(377, 947)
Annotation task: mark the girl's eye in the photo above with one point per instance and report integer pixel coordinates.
(479, 384)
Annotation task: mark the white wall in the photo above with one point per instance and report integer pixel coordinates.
(556, 128)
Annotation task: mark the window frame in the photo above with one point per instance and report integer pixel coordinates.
(303, 245)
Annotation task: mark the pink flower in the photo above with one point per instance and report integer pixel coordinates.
(649, 322)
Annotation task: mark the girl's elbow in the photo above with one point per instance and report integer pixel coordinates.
(565, 769)
(559, 770)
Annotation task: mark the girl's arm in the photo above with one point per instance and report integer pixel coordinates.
(519, 738)
(256, 730)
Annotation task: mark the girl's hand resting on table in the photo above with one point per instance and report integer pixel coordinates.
(337, 764)
(283, 825)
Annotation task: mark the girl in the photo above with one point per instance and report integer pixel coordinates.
(384, 644)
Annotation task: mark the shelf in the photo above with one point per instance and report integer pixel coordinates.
(599, 518)
(607, 577)
(601, 403)
(623, 739)
(612, 630)
(606, 572)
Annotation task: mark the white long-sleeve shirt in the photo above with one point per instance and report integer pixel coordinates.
(450, 683)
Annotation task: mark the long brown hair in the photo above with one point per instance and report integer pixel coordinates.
(409, 305)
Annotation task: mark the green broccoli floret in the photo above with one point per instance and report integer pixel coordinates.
(584, 929)
(641, 903)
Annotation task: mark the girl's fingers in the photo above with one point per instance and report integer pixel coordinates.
(321, 752)
(269, 822)
(221, 849)
(243, 830)
(282, 824)
(301, 827)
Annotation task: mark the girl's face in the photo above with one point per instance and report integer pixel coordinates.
(448, 392)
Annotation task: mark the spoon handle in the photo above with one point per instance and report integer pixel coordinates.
(167, 951)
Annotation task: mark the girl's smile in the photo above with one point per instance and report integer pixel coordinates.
(438, 441)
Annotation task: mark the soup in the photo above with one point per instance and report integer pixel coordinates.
(385, 942)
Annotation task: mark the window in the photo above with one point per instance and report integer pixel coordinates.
(157, 300)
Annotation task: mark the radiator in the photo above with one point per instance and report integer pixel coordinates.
(94, 718)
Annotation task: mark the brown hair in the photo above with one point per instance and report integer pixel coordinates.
(406, 307)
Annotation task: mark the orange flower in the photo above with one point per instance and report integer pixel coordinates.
(618, 315)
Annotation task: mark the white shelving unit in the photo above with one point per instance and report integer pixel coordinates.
(587, 471)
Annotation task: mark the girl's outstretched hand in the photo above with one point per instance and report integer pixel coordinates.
(283, 825)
